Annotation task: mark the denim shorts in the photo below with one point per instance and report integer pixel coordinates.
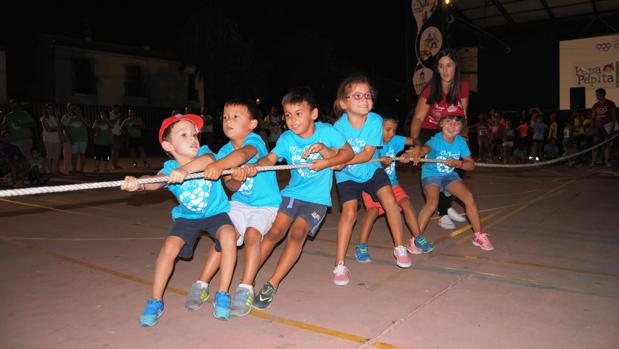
(351, 190)
(190, 229)
(79, 147)
(312, 213)
(441, 181)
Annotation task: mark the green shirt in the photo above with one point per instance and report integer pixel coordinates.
(18, 132)
(103, 132)
(78, 129)
(133, 127)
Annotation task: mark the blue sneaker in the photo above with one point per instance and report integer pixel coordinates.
(423, 244)
(264, 298)
(152, 313)
(222, 305)
(361, 253)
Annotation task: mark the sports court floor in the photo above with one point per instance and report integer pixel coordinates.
(77, 268)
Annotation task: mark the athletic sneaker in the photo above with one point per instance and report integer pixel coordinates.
(455, 216)
(152, 312)
(401, 257)
(342, 275)
(243, 299)
(481, 240)
(264, 298)
(361, 253)
(222, 305)
(446, 223)
(411, 248)
(423, 244)
(198, 294)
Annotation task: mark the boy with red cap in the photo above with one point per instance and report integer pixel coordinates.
(450, 146)
(203, 206)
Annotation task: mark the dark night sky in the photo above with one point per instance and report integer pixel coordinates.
(365, 38)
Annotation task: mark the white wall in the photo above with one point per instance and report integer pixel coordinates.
(591, 63)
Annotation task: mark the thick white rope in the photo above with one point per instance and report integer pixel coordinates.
(162, 179)
(157, 179)
(548, 162)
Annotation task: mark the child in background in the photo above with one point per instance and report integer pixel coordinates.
(551, 150)
(483, 138)
(569, 144)
(253, 206)
(37, 173)
(393, 144)
(77, 129)
(523, 139)
(508, 140)
(103, 140)
(308, 194)
(363, 131)
(203, 206)
(539, 130)
(133, 126)
(448, 145)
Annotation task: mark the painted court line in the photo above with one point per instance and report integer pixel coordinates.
(260, 315)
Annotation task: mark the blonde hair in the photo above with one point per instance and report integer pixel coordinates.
(345, 87)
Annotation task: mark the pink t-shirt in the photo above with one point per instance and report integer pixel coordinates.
(433, 117)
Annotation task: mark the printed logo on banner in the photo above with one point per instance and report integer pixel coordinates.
(595, 74)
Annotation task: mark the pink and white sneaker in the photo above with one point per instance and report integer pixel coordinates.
(412, 248)
(401, 257)
(342, 275)
(481, 240)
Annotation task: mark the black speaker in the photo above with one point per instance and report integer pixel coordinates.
(577, 98)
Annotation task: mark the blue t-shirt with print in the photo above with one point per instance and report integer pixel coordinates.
(261, 190)
(370, 134)
(197, 198)
(305, 184)
(442, 150)
(391, 149)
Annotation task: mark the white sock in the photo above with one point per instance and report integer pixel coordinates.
(202, 283)
(247, 287)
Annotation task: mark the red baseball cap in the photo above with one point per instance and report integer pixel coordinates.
(453, 110)
(196, 119)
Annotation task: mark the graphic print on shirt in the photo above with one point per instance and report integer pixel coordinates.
(195, 195)
(444, 155)
(247, 185)
(297, 159)
(391, 168)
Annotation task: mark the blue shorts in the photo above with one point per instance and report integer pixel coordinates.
(312, 213)
(441, 181)
(78, 147)
(190, 229)
(351, 190)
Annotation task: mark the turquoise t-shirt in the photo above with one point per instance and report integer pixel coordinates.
(305, 184)
(443, 150)
(370, 134)
(391, 149)
(261, 190)
(197, 198)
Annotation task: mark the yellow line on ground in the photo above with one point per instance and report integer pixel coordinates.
(257, 314)
(527, 264)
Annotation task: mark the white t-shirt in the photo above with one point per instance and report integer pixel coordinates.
(51, 136)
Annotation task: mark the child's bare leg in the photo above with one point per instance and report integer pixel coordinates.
(213, 260)
(432, 192)
(367, 223)
(410, 216)
(227, 239)
(344, 229)
(460, 191)
(252, 255)
(392, 212)
(276, 234)
(165, 262)
(292, 251)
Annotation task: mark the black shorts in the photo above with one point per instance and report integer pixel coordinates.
(599, 135)
(351, 190)
(190, 229)
(136, 142)
(311, 212)
(103, 151)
